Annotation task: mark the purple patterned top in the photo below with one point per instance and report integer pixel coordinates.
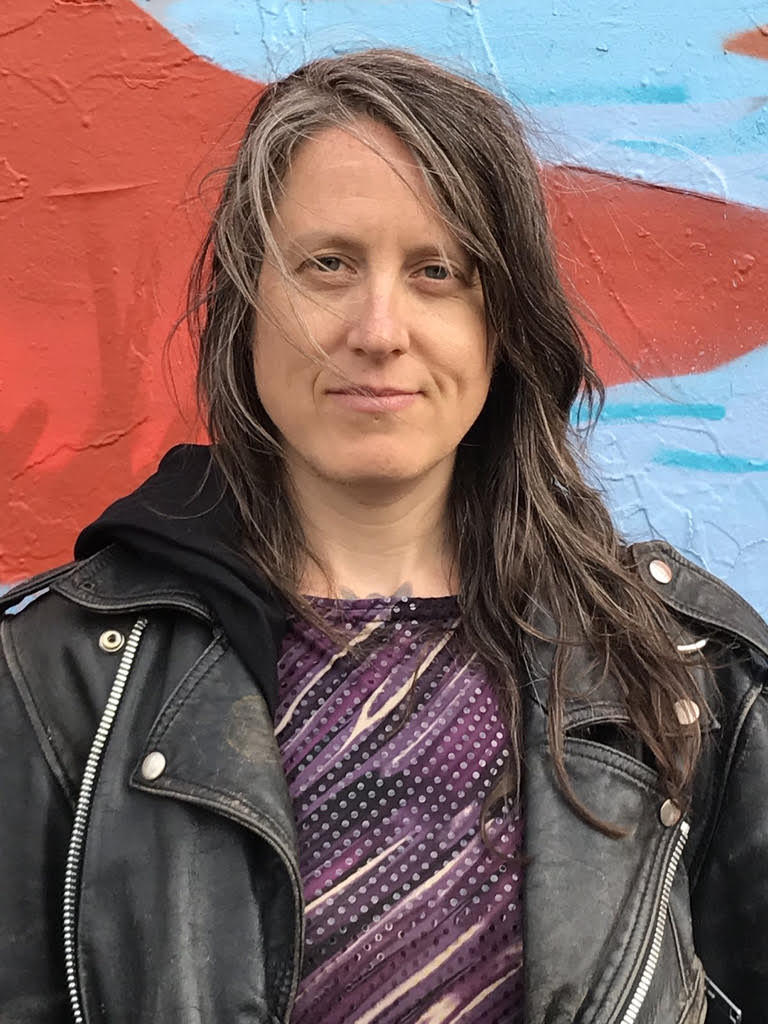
(410, 919)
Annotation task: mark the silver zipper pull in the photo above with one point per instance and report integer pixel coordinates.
(717, 997)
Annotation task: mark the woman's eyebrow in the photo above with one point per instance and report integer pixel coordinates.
(309, 240)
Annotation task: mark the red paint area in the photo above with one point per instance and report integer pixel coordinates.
(678, 282)
(108, 125)
(752, 43)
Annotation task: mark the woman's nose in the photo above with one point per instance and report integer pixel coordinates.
(377, 323)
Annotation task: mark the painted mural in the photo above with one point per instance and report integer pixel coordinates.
(652, 129)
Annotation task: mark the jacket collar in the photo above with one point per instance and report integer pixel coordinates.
(112, 580)
(698, 595)
(115, 580)
(592, 696)
(700, 604)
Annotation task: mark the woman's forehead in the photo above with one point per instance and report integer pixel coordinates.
(362, 162)
(344, 186)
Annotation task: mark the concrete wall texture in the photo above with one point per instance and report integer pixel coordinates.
(651, 121)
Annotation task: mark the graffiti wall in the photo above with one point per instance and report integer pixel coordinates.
(652, 129)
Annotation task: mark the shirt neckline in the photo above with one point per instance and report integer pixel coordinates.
(394, 608)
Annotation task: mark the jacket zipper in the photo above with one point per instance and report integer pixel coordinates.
(646, 977)
(82, 811)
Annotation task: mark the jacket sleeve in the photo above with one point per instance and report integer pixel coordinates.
(35, 823)
(730, 897)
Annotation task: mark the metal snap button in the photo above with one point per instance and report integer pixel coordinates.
(111, 640)
(670, 813)
(660, 571)
(687, 711)
(153, 766)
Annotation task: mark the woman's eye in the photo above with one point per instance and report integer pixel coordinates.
(443, 273)
(332, 264)
(321, 262)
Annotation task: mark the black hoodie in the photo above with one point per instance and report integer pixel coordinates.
(185, 517)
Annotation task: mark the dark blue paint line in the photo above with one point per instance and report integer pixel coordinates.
(644, 412)
(590, 95)
(709, 461)
(648, 146)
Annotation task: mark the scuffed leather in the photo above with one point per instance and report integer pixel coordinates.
(190, 905)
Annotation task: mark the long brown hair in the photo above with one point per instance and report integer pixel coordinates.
(528, 530)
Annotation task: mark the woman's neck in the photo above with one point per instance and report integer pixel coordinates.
(375, 539)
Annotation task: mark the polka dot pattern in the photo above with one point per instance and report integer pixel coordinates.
(410, 917)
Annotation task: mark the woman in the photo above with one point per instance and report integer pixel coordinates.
(366, 713)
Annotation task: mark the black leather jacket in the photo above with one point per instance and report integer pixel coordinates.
(148, 854)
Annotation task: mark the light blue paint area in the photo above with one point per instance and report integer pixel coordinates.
(691, 467)
(554, 52)
(16, 608)
(718, 148)
(652, 412)
(654, 146)
(715, 143)
(711, 462)
(604, 87)
(716, 128)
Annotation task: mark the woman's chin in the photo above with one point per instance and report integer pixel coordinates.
(372, 473)
(374, 467)
(372, 476)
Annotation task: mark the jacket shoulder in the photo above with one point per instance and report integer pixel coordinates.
(63, 634)
(13, 598)
(691, 591)
(114, 580)
(54, 655)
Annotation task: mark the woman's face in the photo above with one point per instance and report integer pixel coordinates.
(391, 313)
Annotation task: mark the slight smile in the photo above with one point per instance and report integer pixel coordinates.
(385, 400)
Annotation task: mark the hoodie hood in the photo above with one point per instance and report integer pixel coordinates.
(185, 517)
